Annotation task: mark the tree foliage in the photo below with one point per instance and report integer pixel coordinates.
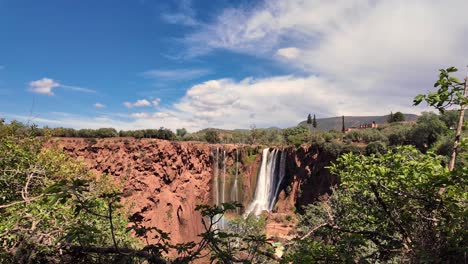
(36, 219)
(396, 117)
(388, 208)
(212, 136)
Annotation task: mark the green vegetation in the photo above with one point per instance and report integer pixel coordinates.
(388, 208)
(212, 136)
(181, 132)
(37, 216)
(397, 117)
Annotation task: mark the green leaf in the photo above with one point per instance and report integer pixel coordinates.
(418, 99)
(455, 80)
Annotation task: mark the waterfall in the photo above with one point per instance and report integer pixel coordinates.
(216, 177)
(219, 182)
(268, 182)
(234, 190)
(282, 172)
(223, 183)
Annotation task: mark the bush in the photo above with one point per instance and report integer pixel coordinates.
(333, 149)
(377, 147)
(212, 136)
(296, 135)
(428, 130)
(365, 135)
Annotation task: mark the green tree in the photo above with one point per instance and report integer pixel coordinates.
(37, 218)
(255, 134)
(451, 92)
(296, 135)
(388, 208)
(181, 132)
(397, 117)
(314, 122)
(390, 118)
(212, 136)
(427, 131)
(450, 118)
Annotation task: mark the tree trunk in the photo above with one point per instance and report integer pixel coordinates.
(459, 129)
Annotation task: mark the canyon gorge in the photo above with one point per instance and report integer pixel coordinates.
(163, 181)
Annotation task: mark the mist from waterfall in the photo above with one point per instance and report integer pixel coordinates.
(269, 180)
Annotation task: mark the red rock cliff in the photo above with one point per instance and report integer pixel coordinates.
(164, 181)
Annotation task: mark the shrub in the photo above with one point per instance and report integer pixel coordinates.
(377, 147)
(212, 136)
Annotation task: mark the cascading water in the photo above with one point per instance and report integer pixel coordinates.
(282, 172)
(219, 182)
(223, 183)
(216, 177)
(235, 187)
(234, 190)
(268, 182)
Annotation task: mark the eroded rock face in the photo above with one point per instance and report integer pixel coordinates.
(164, 181)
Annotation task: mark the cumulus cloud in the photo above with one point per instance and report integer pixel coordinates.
(138, 103)
(43, 86)
(142, 103)
(99, 105)
(46, 86)
(361, 57)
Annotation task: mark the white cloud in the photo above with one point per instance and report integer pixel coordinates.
(140, 115)
(46, 86)
(370, 56)
(99, 105)
(288, 53)
(156, 101)
(174, 75)
(43, 86)
(138, 103)
(280, 101)
(146, 115)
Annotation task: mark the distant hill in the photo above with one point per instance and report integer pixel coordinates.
(330, 123)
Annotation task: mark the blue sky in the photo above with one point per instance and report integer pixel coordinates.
(228, 64)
